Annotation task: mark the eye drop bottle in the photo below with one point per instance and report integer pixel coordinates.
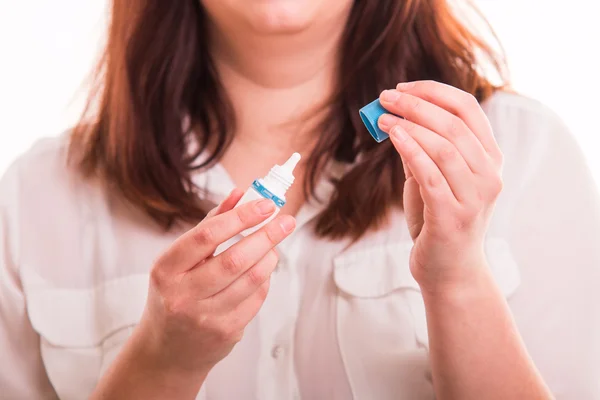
(273, 187)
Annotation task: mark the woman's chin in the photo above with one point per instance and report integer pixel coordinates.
(275, 17)
(280, 17)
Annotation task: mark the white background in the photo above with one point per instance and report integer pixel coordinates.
(47, 49)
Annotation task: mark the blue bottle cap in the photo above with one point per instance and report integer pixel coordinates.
(369, 115)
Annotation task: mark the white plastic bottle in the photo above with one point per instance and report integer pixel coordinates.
(273, 187)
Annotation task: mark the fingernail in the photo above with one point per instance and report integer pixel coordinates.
(288, 223)
(265, 207)
(399, 134)
(405, 85)
(386, 121)
(390, 95)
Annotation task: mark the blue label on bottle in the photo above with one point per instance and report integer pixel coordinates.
(266, 193)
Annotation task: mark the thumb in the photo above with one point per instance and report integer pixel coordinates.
(413, 207)
(407, 172)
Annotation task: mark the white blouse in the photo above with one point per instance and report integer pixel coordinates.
(339, 323)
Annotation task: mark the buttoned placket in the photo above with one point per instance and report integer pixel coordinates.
(276, 376)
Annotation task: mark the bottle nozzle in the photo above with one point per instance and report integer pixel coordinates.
(291, 163)
(283, 174)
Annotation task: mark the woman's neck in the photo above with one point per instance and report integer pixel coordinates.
(274, 81)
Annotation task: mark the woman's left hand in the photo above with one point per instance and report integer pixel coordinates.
(453, 177)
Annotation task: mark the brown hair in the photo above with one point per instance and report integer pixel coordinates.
(157, 70)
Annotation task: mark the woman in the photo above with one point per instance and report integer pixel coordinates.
(110, 288)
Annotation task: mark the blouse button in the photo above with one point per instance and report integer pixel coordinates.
(428, 375)
(277, 352)
(281, 266)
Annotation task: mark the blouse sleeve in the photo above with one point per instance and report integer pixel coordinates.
(551, 217)
(22, 374)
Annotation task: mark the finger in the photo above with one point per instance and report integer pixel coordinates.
(247, 310)
(247, 284)
(460, 103)
(407, 172)
(219, 272)
(413, 207)
(446, 156)
(435, 189)
(438, 120)
(201, 241)
(227, 204)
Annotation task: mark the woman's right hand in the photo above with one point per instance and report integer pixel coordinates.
(199, 304)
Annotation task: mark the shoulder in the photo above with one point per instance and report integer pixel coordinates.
(40, 189)
(503, 100)
(529, 133)
(42, 171)
(43, 153)
(517, 118)
(46, 155)
(543, 162)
